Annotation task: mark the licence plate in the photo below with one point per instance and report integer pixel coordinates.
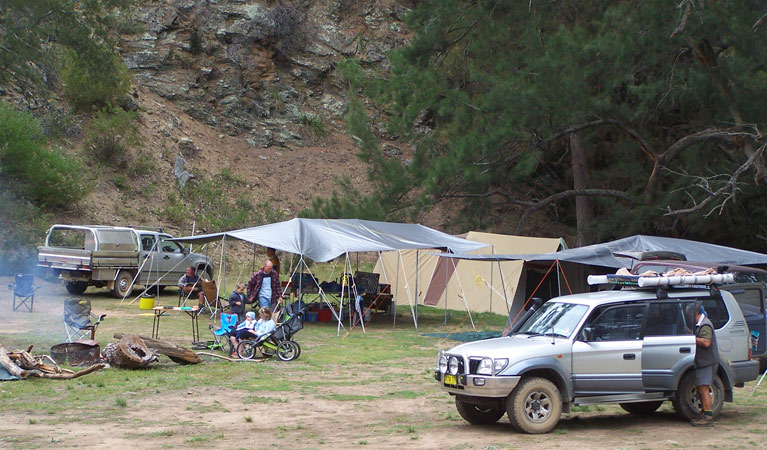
(451, 380)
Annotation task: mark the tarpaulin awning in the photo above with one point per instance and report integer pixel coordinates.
(325, 239)
(602, 254)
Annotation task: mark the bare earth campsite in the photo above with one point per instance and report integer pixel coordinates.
(355, 390)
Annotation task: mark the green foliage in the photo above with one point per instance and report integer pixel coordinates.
(112, 133)
(41, 174)
(195, 43)
(94, 83)
(314, 125)
(36, 34)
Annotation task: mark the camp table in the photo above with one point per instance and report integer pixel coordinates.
(160, 311)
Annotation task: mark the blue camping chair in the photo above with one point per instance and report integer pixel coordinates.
(23, 290)
(220, 335)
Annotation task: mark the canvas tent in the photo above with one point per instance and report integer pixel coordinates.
(325, 239)
(484, 285)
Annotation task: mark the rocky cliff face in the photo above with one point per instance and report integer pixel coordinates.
(258, 67)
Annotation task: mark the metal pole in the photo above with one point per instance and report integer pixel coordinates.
(417, 253)
(445, 322)
(492, 271)
(559, 282)
(396, 294)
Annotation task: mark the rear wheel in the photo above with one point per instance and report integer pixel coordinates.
(478, 415)
(76, 287)
(641, 408)
(288, 350)
(246, 349)
(123, 284)
(687, 403)
(534, 406)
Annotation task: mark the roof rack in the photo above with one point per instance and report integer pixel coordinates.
(640, 281)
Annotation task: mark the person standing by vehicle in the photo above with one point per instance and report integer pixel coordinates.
(706, 364)
(264, 287)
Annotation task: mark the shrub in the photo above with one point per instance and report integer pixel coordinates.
(94, 82)
(111, 135)
(38, 173)
(314, 125)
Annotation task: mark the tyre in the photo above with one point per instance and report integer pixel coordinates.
(534, 406)
(641, 408)
(76, 287)
(122, 287)
(246, 349)
(287, 350)
(299, 349)
(762, 365)
(478, 415)
(686, 402)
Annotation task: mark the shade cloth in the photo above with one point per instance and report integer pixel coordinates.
(324, 239)
(602, 254)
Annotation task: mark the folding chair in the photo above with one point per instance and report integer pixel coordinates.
(77, 319)
(23, 290)
(212, 301)
(220, 335)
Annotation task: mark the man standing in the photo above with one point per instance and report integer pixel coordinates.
(189, 284)
(270, 253)
(706, 364)
(264, 286)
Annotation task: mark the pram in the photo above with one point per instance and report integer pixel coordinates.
(280, 341)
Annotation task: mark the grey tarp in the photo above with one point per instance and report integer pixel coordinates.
(325, 239)
(602, 254)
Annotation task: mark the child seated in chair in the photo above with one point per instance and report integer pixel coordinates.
(252, 329)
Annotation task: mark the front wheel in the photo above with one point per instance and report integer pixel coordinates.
(288, 350)
(687, 403)
(478, 415)
(246, 349)
(123, 284)
(534, 406)
(76, 287)
(641, 408)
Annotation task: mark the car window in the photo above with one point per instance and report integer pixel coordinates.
(716, 311)
(618, 323)
(170, 246)
(667, 319)
(749, 299)
(147, 243)
(557, 318)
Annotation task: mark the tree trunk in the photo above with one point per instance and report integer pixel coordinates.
(174, 352)
(584, 213)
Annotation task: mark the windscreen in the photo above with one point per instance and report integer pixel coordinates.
(558, 319)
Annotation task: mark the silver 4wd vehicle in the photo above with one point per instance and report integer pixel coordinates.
(633, 347)
(119, 258)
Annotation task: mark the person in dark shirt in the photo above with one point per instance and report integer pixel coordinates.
(706, 364)
(190, 285)
(237, 302)
(264, 287)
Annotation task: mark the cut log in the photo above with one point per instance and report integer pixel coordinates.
(10, 366)
(176, 354)
(130, 353)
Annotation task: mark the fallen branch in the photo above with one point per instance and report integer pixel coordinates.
(23, 365)
(174, 352)
(231, 359)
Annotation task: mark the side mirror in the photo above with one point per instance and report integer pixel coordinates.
(586, 334)
(186, 250)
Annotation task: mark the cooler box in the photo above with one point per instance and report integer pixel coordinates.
(324, 315)
(311, 317)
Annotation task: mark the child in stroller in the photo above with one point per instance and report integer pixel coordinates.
(280, 341)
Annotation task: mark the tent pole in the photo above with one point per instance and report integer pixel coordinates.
(503, 285)
(341, 301)
(445, 295)
(417, 264)
(396, 292)
(492, 252)
(559, 282)
(464, 296)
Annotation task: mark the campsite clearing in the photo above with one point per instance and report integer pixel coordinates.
(368, 390)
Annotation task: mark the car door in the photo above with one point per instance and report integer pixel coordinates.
(172, 258)
(148, 259)
(668, 346)
(750, 297)
(607, 356)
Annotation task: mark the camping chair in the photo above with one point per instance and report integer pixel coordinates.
(220, 335)
(23, 290)
(77, 319)
(212, 301)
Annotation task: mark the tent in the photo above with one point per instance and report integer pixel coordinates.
(325, 239)
(478, 286)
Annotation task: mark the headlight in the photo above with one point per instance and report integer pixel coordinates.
(453, 365)
(485, 367)
(499, 365)
(442, 363)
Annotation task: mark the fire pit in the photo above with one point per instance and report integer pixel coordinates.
(80, 353)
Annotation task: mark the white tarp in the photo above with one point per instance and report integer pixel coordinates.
(324, 239)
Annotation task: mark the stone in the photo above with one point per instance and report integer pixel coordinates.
(390, 150)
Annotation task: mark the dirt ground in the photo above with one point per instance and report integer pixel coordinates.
(391, 405)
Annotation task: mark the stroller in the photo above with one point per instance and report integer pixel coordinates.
(280, 341)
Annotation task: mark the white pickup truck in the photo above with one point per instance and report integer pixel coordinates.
(93, 255)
